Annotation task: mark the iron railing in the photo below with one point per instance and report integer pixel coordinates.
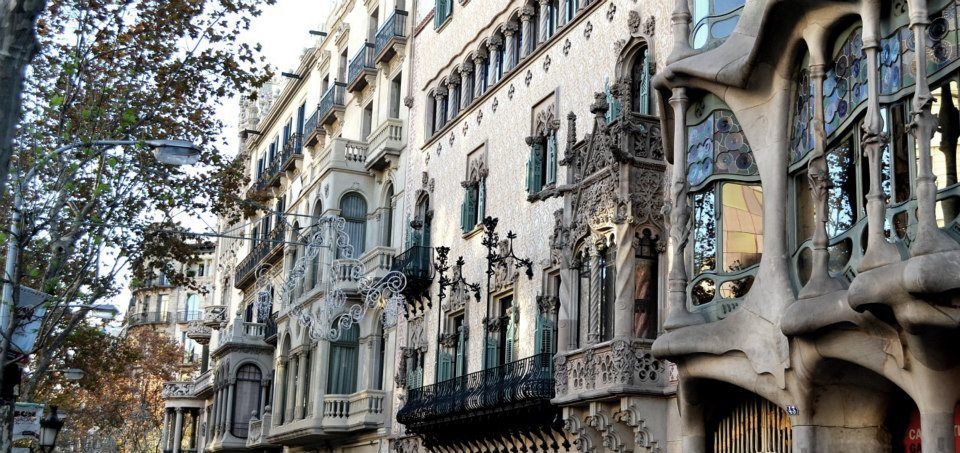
(292, 149)
(188, 315)
(394, 28)
(525, 381)
(416, 263)
(147, 317)
(270, 329)
(259, 253)
(312, 123)
(332, 98)
(363, 60)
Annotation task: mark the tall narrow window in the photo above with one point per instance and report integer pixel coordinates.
(353, 209)
(714, 21)
(646, 305)
(640, 76)
(315, 268)
(607, 266)
(583, 299)
(381, 357)
(301, 117)
(395, 95)
(342, 373)
(246, 399)
(542, 163)
(367, 123)
(386, 224)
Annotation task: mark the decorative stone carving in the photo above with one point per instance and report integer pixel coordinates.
(546, 63)
(647, 196)
(408, 101)
(566, 47)
(215, 316)
(631, 416)
(588, 30)
(448, 340)
(177, 389)
(494, 105)
(199, 332)
(611, 11)
(616, 364)
(548, 304)
(511, 91)
(528, 78)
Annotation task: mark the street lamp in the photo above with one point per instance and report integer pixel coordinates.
(50, 427)
(174, 152)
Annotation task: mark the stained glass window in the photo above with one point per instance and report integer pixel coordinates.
(718, 146)
(715, 20)
(801, 140)
(845, 84)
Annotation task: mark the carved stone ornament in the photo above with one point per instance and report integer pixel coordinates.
(611, 11)
(566, 47)
(408, 101)
(494, 105)
(528, 78)
(546, 63)
(506, 274)
(494, 323)
(448, 340)
(548, 305)
(588, 30)
(511, 91)
(177, 389)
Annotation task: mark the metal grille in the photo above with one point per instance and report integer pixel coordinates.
(753, 426)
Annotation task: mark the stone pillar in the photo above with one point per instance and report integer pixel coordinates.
(194, 426)
(493, 46)
(529, 31)
(165, 431)
(291, 391)
(879, 251)
(510, 40)
(567, 315)
(440, 98)
(228, 426)
(301, 388)
(625, 281)
(478, 61)
(453, 85)
(178, 431)
(264, 384)
(205, 357)
(677, 314)
(543, 25)
(930, 238)
(593, 335)
(680, 23)
(280, 392)
(215, 415)
(466, 84)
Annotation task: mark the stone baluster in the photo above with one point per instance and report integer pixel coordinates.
(820, 280)
(453, 84)
(510, 40)
(678, 315)
(493, 46)
(466, 84)
(543, 21)
(529, 31)
(478, 62)
(879, 251)
(930, 238)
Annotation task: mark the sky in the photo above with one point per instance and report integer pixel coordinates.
(283, 31)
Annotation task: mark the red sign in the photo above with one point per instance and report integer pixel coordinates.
(911, 439)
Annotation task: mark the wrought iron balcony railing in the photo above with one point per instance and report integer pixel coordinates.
(331, 102)
(363, 64)
(415, 263)
(292, 150)
(311, 128)
(516, 384)
(148, 317)
(393, 31)
(188, 315)
(261, 251)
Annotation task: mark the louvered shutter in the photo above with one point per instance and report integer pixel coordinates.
(510, 354)
(491, 352)
(536, 177)
(552, 158)
(481, 201)
(538, 345)
(530, 171)
(461, 343)
(445, 366)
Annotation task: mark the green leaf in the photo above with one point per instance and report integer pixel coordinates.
(56, 101)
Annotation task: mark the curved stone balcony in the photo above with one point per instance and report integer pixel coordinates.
(611, 369)
(215, 316)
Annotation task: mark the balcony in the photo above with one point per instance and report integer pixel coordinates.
(343, 154)
(362, 66)
(312, 129)
(203, 384)
(184, 316)
(292, 152)
(258, 431)
(611, 369)
(177, 389)
(378, 261)
(243, 335)
(357, 411)
(391, 36)
(516, 394)
(270, 331)
(385, 142)
(416, 263)
(147, 317)
(215, 316)
(261, 252)
(331, 105)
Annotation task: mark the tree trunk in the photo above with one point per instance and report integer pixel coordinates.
(18, 46)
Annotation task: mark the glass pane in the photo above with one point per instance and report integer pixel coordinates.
(947, 210)
(840, 255)
(736, 288)
(841, 168)
(742, 213)
(900, 224)
(944, 143)
(723, 28)
(900, 153)
(806, 221)
(703, 291)
(704, 232)
(645, 303)
(805, 265)
(725, 6)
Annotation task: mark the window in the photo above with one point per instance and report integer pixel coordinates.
(342, 69)
(640, 77)
(201, 270)
(545, 333)
(442, 12)
(571, 8)
(372, 26)
(727, 236)
(453, 354)
(553, 13)
(191, 308)
(472, 209)
(584, 285)
(301, 117)
(342, 375)
(542, 163)
(607, 267)
(395, 95)
(381, 358)
(315, 268)
(714, 21)
(501, 346)
(386, 225)
(646, 273)
(353, 209)
(246, 398)
(287, 130)
(367, 123)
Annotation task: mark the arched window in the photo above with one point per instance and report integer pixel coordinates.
(640, 79)
(715, 21)
(295, 255)
(315, 268)
(246, 398)
(342, 373)
(607, 267)
(353, 209)
(727, 236)
(420, 226)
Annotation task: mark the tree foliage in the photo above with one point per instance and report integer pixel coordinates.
(118, 401)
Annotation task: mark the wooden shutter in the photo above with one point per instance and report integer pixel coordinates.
(463, 211)
(538, 335)
(481, 201)
(444, 367)
(552, 158)
(461, 356)
(492, 352)
(536, 178)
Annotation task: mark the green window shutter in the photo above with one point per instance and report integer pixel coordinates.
(510, 353)
(481, 201)
(492, 352)
(530, 171)
(536, 154)
(444, 367)
(461, 362)
(552, 158)
(465, 212)
(538, 335)
(548, 336)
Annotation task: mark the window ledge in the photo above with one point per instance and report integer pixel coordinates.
(476, 229)
(548, 191)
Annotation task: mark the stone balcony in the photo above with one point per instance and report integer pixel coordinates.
(243, 335)
(353, 412)
(332, 416)
(215, 316)
(610, 369)
(203, 384)
(259, 431)
(386, 142)
(378, 261)
(343, 154)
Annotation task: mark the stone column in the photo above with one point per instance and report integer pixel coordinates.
(280, 392)
(529, 31)
(291, 391)
(567, 315)
(177, 430)
(593, 335)
(264, 384)
(217, 409)
(543, 34)
(625, 281)
(453, 85)
(194, 425)
(301, 388)
(439, 96)
(510, 40)
(680, 23)
(930, 238)
(466, 84)
(677, 314)
(229, 417)
(879, 251)
(164, 441)
(478, 60)
(493, 46)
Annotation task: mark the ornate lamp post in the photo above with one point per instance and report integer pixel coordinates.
(50, 427)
